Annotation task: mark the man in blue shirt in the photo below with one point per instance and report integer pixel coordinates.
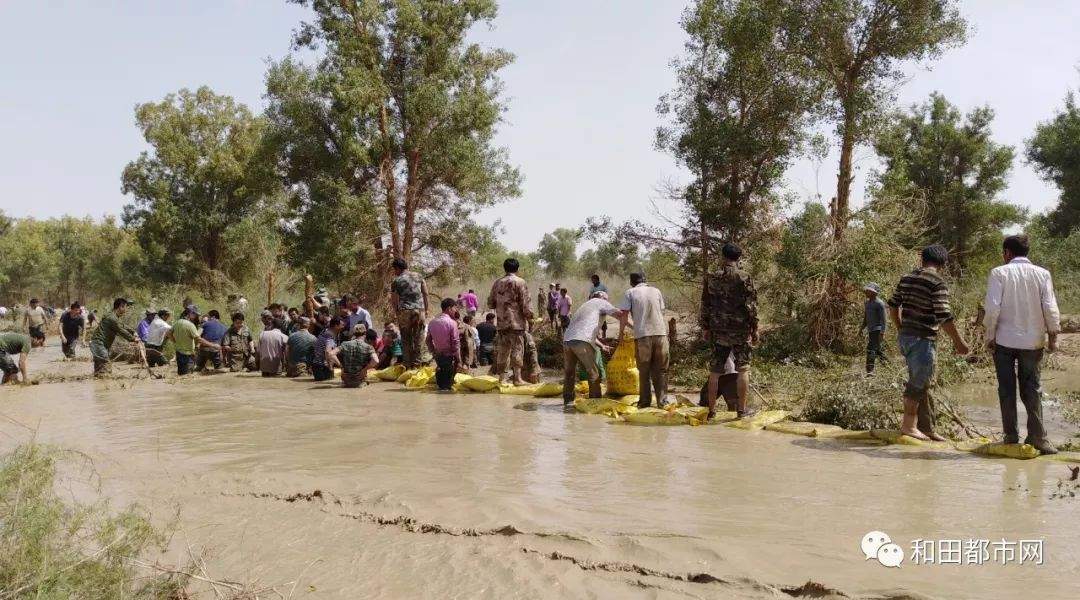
(874, 324)
(213, 331)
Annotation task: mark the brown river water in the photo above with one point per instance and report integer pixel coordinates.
(425, 495)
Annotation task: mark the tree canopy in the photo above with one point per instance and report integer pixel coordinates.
(1054, 151)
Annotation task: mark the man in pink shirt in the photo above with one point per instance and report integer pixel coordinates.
(444, 343)
(472, 303)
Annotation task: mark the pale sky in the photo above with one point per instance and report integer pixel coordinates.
(582, 94)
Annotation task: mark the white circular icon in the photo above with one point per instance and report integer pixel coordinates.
(890, 555)
(872, 541)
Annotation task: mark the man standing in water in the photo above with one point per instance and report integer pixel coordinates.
(1021, 313)
(72, 324)
(645, 305)
(510, 299)
(105, 334)
(355, 356)
(34, 321)
(444, 342)
(729, 321)
(187, 339)
(919, 308)
(579, 345)
(408, 299)
(553, 305)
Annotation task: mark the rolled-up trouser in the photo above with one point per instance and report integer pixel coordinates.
(100, 354)
(577, 352)
(412, 337)
(1020, 366)
(920, 355)
(509, 352)
(445, 369)
(652, 364)
(68, 346)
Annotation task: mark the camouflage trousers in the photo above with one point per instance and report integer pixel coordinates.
(237, 361)
(411, 324)
(509, 352)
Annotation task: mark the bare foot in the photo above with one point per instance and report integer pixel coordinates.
(519, 383)
(937, 437)
(915, 433)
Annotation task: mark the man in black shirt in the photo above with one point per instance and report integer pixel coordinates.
(487, 333)
(72, 324)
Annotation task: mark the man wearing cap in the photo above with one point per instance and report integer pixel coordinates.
(186, 336)
(645, 305)
(729, 320)
(920, 308)
(105, 334)
(874, 324)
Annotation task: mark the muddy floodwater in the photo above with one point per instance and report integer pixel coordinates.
(422, 495)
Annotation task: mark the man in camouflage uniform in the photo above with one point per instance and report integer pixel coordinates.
(408, 299)
(237, 345)
(729, 320)
(510, 299)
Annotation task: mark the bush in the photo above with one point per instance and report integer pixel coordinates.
(51, 549)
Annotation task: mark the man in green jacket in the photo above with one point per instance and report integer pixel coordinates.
(105, 334)
(11, 345)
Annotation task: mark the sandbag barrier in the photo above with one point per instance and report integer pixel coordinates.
(622, 409)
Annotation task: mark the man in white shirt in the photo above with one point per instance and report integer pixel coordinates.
(645, 304)
(1021, 313)
(579, 345)
(156, 334)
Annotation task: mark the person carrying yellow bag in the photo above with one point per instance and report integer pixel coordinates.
(579, 345)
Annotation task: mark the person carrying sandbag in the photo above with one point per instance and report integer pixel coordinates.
(580, 345)
(645, 306)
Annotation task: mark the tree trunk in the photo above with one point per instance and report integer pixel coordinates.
(840, 206)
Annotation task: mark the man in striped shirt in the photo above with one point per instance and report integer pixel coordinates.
(919, 308)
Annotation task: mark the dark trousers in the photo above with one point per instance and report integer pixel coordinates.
(212, 357)
(445, 369)
(67, 346)
(184, 363)
(322, 372)
(154, 356)
(1020, 366)
(486, 354)
(873, 350)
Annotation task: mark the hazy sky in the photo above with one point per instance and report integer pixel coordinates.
(582, 94)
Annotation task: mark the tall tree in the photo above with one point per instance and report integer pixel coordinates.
(202, 176)
(1054, 151)
(736, 117)
(558, 251)
(857, 49)
(934, 154)
(394, 127)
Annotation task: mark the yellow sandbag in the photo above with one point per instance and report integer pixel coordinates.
(390, 373)
(622, 373)
(420, 377)
(611, 407)
(518, 390)
(548, 390)
(405, 376)
(802, 428)
(683, 415)
(760, 420)
(972, 444)
(1021, 451)
(483, 383)
(582, 388)
(1066, 457)
(848, 434)
(462, 377)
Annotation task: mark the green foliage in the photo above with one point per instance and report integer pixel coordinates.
(949, 163)
(557, 251)
(390, 134)
(1054, 151)
(50, 548)
(612, 256)
(736, 117)
(1061, 255)
(202, 177)
(856, 51)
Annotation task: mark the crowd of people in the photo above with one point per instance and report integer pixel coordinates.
(327, 337)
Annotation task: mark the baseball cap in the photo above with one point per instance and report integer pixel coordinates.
(872, 287)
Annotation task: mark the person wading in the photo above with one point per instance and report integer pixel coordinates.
(14, 345)
(34, 322)
(510, 299)
(409, 300)
(237, 345)
(645, 305)
(444, 342)
(105, 334)
(72, 324)
(729, 322)
(1021, 314)
(356, 356)
(919, 308)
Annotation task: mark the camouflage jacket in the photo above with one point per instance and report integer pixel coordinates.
(729, 305)
(237, 341)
